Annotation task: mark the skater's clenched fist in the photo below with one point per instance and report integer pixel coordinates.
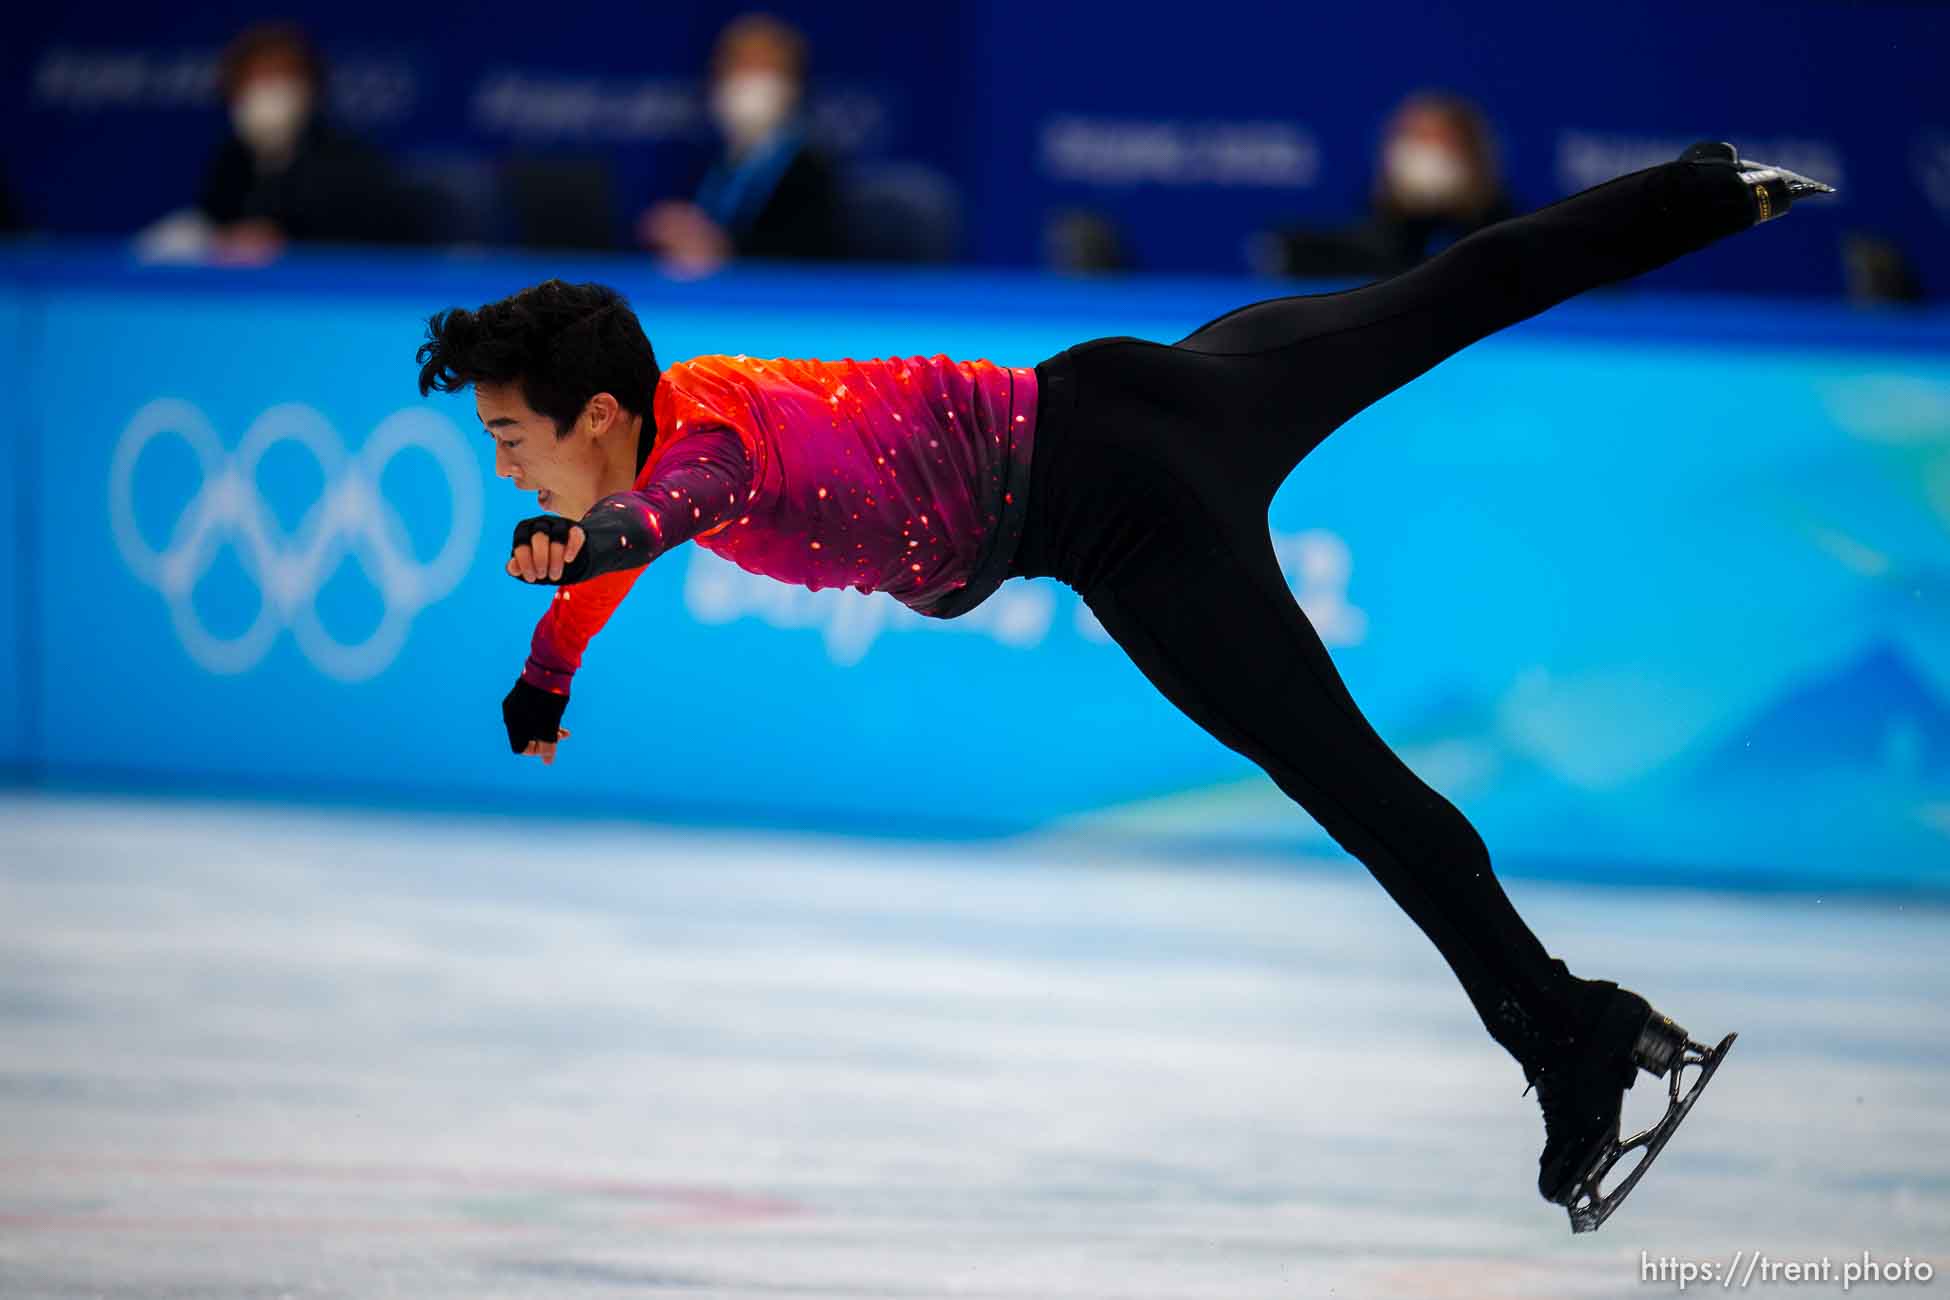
(546, 549)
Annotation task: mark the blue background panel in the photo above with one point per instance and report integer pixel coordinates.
(1650, 589)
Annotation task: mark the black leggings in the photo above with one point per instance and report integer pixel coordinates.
(1152, 473)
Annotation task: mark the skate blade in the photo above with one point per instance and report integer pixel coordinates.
(1798, 186)
(1589, 1207)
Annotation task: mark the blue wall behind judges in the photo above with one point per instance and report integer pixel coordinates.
(1651, 588)
(1189, 129)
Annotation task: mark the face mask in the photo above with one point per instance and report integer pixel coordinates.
(1426, 175)
(747, 105)
(269, 115)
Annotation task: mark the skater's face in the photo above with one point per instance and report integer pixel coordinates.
(567, 470)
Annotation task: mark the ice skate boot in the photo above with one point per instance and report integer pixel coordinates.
(1582, 1091)
(1770, 189)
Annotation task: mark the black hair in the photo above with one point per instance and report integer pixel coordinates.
(563, 343)
(264, 38)
(790, 41)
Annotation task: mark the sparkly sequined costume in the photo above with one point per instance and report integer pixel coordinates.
(907, 476)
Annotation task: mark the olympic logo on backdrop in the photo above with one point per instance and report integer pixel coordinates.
(350, 518)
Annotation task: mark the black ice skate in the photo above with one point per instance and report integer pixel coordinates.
(1772, 189)
(1583, 1094)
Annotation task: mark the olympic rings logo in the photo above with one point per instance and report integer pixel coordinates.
(351, 517)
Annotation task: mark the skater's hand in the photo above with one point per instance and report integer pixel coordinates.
(545, 752)
(545, 550)
(534, 720)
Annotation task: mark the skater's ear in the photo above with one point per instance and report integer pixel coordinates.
(600, 414)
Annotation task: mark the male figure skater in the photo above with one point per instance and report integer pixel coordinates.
(1139, 474)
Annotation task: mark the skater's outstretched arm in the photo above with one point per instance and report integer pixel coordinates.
(696, 486)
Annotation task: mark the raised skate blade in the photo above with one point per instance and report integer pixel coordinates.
(1590, 1205)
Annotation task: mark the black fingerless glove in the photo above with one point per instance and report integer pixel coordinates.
(556, 529)
(532, 714)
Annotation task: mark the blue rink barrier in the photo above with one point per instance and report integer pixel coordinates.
(1652, 589)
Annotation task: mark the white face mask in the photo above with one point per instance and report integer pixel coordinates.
(748, 105)
(1426, 175)
(268, 115)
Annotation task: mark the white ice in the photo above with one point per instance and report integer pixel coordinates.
(262, 1053)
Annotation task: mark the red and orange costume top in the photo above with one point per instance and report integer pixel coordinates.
(908, 476)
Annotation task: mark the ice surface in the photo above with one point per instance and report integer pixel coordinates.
(259, 1053)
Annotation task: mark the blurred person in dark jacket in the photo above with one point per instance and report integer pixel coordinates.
(771, 193)
(1437, 179)
(284, 172)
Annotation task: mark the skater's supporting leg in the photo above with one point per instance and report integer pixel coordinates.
(1193, 593)
(1219, 633)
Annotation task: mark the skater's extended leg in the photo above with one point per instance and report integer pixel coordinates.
(1293, 369)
